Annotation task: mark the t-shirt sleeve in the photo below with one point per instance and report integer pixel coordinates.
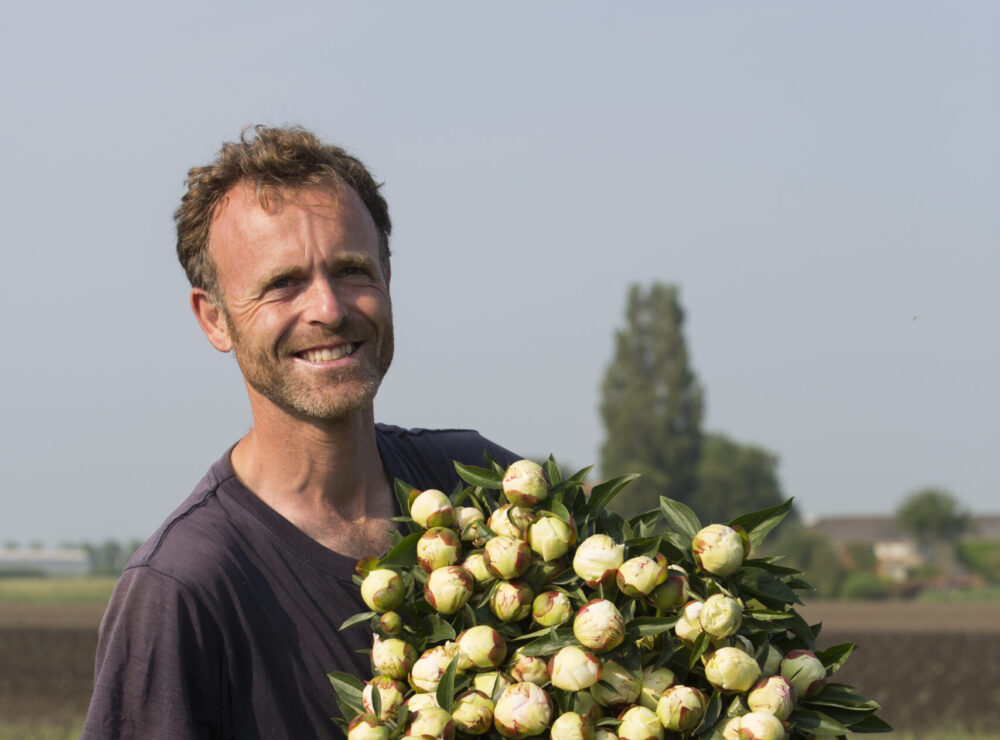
(158, 671)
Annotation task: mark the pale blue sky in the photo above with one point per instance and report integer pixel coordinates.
(821, 180)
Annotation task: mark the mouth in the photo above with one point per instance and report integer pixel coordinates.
(329, 354)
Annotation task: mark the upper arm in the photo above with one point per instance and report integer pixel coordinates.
(158, 667)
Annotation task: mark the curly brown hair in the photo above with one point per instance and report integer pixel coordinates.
(271, 159)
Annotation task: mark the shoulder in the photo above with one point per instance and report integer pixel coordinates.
(425, 457)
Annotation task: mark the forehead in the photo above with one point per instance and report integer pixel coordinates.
(245, 223)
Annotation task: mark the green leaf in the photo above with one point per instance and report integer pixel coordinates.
(482, 477)
(767, 616)
(834, 657)
(758, 523)
(402, 490)
(680, 518)
(551, 643)
(809, 722)
(771, 591)
(404, 554)
(560, 511)
(446, 688)
(870, 724)
(604, 493)
(357, 618)
(348, 690)
(440, 630)
(840, 695)
(698, 649)
(712, 712)
(376, 702)
(644, 626)
(552, 471)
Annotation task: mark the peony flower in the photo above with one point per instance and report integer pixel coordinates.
(507, 557)
(640, 723)
(761, 726)
(524, 483)
(480, 647)
(551, 608)
(804, 671)
(510, 521)
(511, 601)
(390, 693)
(530, 669)
(681, 708)
(720, 615)
(467, 519)
(433, 721)
(473, 713)
(418, 701)
(427, 671)
(670, 594)
(393, 657)
(599, 626)
(617, 686)
(597, 559)
(390, 623)
(574, 669)
(774, 695)
(366, 727)
(638, 576)
(432, 508)
(448, 589)
(437, 548)
(729, 728)
(522, 710)
(654, 682)
(551, 537)
(475, 563)
(731, 669)
(383, 590)
(491, 683)
(719, 549)
(572, 726)
(688, 625)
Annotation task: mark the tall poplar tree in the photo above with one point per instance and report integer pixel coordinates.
(651, 403)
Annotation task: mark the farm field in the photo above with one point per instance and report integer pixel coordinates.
(930, 665)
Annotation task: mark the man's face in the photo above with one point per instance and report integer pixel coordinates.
(305, 301)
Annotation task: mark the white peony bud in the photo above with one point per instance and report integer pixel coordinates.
(475, 563)
(719, 549)
(617, 686)
(654, 682)
(383, 590)
(523, 710)
(681, 708)
(551, 608)
(530, 669)
(480, 647)
(638, 576)
(467, 519)
(507, 557)
(432, 508)
(688, 625)
(438, 548)
(640, 723)
(510, 521)
(430, 667)
(390, 693)
(574, 669)
(551, 537)
(761, 726)
(432, 721)
(720, 615)
(491, 683)
(473, 713)
(599, 626)
(366, 727)
(393, 657)
(774, 695)
(448, 589)
(511, 601)
(572, 726)
(731, 669)
(524, 483)
(804, 671)
(597, 559)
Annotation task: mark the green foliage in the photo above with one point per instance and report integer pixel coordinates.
(932, 514)
(861, 584)
(982, 558)
(651, 403)
(735, 477)
(56, 591)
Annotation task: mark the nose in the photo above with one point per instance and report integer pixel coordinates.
(322, 304)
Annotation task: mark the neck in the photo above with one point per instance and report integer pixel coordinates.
(326, 477)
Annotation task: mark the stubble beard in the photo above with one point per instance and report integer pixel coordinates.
(338, 394)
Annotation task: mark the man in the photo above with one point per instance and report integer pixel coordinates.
(224, 624)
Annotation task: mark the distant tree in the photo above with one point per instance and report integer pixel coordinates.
(932, 515)
(651, 403)
(734, 479)
(811, 552)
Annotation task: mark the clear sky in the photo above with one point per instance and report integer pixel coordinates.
(821, 180)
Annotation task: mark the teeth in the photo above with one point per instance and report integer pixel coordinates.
(329, 355)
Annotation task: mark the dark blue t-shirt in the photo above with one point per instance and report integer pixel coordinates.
(224, 623)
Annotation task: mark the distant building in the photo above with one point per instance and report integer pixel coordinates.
(896, 552)
(46, 561)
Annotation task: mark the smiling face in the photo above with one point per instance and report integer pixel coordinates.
(304, 300)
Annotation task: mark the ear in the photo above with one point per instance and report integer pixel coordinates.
(211, 319)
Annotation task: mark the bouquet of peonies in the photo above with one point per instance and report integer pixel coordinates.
(519, 606)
